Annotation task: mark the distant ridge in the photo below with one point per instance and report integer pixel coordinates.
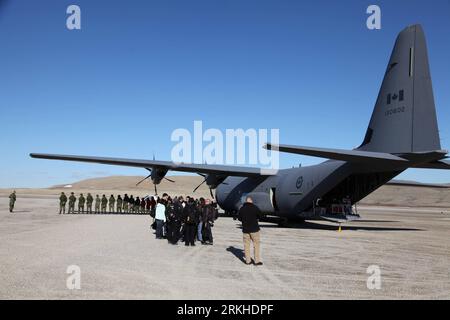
(418, 184)
(398, 193)
(185, 181)
(183, 185)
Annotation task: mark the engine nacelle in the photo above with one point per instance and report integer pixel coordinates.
(158, 174)
(213, 180)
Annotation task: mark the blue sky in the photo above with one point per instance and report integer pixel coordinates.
(138, 70)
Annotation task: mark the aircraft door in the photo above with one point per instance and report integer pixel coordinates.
(273, 198)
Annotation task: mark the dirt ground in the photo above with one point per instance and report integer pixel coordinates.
(119, 257)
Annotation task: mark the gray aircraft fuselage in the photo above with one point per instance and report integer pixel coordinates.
(292, 193)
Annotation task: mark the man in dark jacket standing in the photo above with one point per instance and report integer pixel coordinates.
(190, 222)
(207, 221)
(249, 215)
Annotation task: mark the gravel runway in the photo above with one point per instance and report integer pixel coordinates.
(119, 258)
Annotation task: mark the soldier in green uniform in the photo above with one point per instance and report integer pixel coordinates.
(104, 203)
(72, 200)
(62, 203)
(12, 201)
(119, 204)
(89, 200)
(112, 201)
(97, 204)
(81, 202)
(125, 203)
(137, 205)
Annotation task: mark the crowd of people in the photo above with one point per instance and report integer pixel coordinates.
(183, 219)
(178, 219)
(174, 219)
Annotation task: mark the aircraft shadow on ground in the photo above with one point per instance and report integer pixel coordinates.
(379, 221)
(334, 227)
(273, 220)
(304, 225)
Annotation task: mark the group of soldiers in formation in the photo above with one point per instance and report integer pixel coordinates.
(127, 204)
(174, 219)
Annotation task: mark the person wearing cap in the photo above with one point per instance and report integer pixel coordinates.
(72, 200)
(112, 202)
(89, 200)
(81, 202)
(104, 203)
(119, 204)
(97, 204)
(126, 201)
(62, 203)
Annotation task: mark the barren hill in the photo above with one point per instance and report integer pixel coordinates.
(182, 185)
(387, 195)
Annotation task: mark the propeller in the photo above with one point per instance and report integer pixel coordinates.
(150, 170)
(199, 185)
(164, 177)
(156, 190)
(204, 180)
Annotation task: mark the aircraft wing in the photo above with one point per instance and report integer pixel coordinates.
(197, 168)
(441, 164)
(337, 154)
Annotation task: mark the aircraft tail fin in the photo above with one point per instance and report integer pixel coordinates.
(404, 117)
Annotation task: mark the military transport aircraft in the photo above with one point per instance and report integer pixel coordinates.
(402, 134)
